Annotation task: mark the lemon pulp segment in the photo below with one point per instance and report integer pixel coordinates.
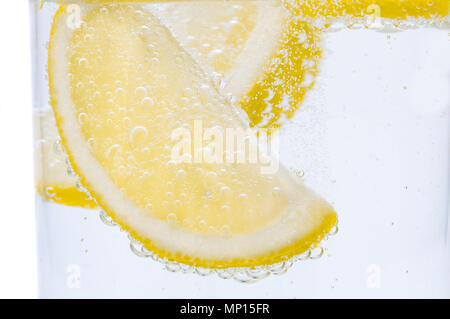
(120, 86)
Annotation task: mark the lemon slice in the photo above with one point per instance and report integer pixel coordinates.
(53, 179)
(391, 9)
(268, 60)
(120, 86)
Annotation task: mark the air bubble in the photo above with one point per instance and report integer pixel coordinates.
(226, 192)
(171, 218)
(202, 224)
(178, 203)
(144, 29)
(141, 92)
(126, 122)
(171, 164)
(122, 111)
(211, 177)
(82, 118)
(91, 143)
(181, 173)
(225, 209)
(147, 102)
(187, 222)
(119, 92)
(138, 134)
(82, 62)
(50, 192)
(112, 151)
(243, 198)
(276, 191)
(104, 10)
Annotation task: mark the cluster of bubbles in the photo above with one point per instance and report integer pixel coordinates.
(239, 274)
(386, 25)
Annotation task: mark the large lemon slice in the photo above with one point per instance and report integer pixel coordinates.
(120, 86)
(267, 59)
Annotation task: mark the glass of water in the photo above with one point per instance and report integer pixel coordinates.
(274, 149)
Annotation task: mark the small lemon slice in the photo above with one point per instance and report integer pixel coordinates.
(391, 9)
(53, 179)
(120, 86)
(268, 60)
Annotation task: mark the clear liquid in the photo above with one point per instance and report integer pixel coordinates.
(372, 137)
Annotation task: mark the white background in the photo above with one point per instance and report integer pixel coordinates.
(18, 275)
